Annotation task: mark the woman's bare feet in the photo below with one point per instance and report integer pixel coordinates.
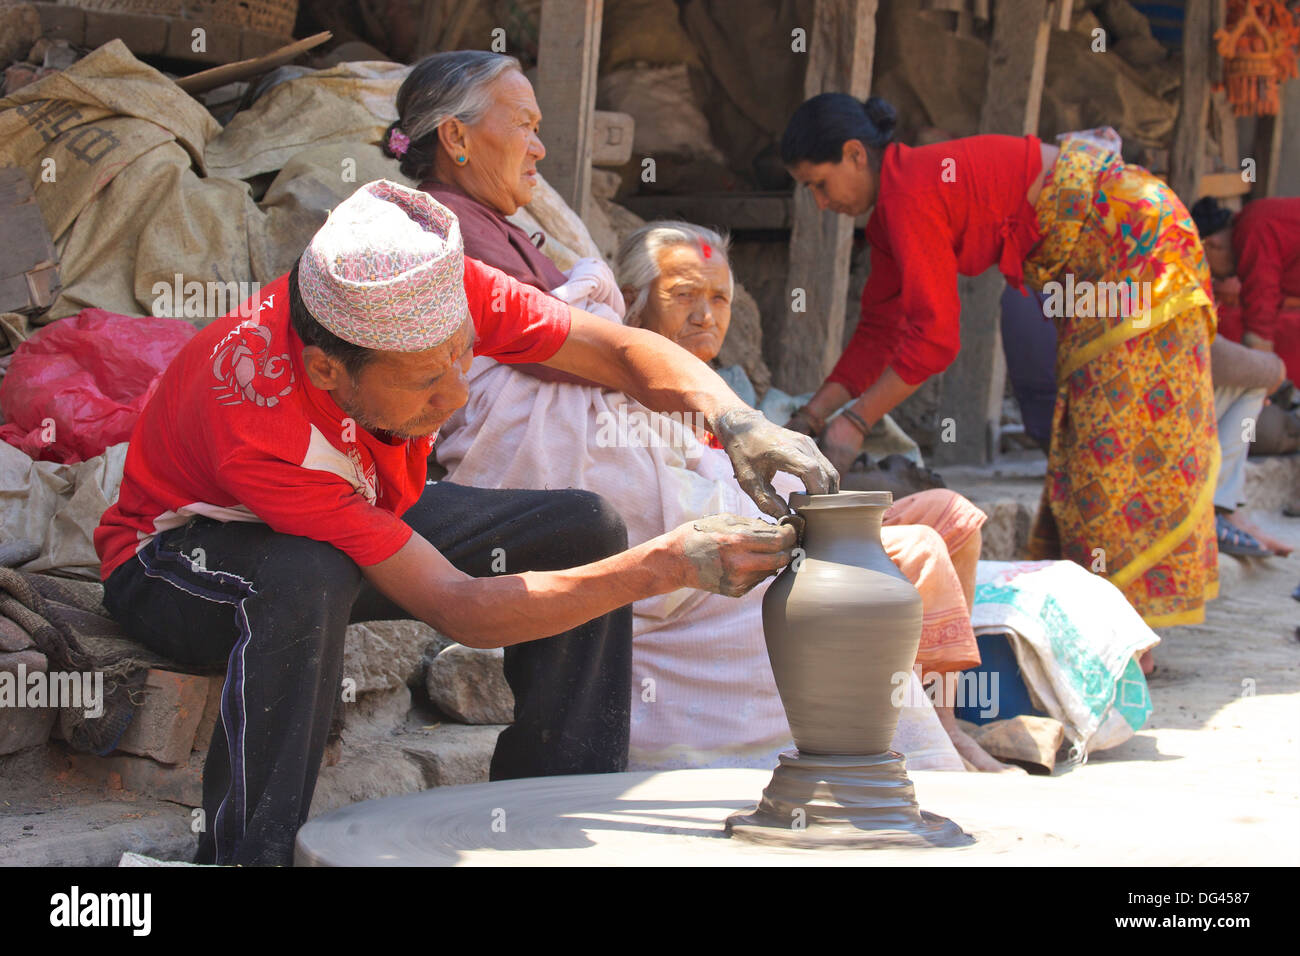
(1277, 546)
(972, 754)
(1148, 663)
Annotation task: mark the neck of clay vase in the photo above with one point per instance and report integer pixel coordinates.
(826, 530)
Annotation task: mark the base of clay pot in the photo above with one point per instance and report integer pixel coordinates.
(860, 802)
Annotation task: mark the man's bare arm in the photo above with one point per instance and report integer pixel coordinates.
(514, 608)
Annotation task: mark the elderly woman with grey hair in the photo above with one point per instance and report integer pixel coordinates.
(467, 132)
(703, 692)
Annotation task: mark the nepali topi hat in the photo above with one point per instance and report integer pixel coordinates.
(387, 270)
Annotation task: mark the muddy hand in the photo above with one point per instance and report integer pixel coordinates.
(730, 554)
(758, 450)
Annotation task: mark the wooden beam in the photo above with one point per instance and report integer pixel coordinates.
(567, 56)
(841, 46)
(1188, 150)
(1222, 185)
(972, 387)
(1267, 154)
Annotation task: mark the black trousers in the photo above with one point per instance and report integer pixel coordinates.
(275, 607)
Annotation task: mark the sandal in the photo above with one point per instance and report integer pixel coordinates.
(1234, 541)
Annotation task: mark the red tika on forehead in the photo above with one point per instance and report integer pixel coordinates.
(707, 250)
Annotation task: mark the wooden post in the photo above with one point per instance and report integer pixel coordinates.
(567, 56)
(1187, 155)
(972, 386)
(841, 45)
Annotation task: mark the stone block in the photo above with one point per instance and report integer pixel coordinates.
(23, 727)
(611, 138)
(62, 23)
(453, 754)
(1006, 533)
(382, 655)
(468, 684)
(373, 767)
(143, 35)
(164, 725)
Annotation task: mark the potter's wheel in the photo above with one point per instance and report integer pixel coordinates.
(676, 818)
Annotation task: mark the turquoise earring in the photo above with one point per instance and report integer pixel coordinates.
(460, 160)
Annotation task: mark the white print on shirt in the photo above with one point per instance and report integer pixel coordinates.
(323, 456)
(247, 371)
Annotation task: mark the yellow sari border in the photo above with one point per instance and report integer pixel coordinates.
(1171, 539)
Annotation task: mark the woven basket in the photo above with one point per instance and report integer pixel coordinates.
(274, 17)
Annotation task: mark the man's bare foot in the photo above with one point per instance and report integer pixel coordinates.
(1277, 546)
(972, 754)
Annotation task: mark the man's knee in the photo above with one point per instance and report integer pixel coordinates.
(597, 530)
(314, 570)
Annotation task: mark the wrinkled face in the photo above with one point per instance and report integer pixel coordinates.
(1219, 255)
(847, 187)
(406, 394)
(503, 147)
(690, 301)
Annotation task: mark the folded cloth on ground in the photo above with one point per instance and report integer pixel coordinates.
(68, 623)
(1075, 638)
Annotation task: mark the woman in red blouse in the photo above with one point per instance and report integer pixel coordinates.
(1134, 452)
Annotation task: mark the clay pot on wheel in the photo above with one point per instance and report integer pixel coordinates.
(842, 625)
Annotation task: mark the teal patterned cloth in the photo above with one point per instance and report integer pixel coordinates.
(1076, 638)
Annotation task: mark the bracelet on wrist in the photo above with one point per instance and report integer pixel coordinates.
(857, 421)
(812, 418)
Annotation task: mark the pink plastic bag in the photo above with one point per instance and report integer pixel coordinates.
(78, 385)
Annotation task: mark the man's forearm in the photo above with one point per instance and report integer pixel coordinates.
(658, 373)
(514, 608)
(664, 377)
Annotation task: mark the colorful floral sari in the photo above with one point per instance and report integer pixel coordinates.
(1135, 453)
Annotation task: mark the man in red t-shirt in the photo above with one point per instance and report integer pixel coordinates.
(275, 489)
(1260, 246)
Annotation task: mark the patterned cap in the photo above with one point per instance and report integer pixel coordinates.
(387, 270)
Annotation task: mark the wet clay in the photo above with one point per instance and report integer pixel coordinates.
(705, 553)
(863, 802)
(842, 626)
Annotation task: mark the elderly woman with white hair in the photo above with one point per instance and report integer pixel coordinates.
(703, 692)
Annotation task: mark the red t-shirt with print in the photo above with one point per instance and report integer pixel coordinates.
(236, 432)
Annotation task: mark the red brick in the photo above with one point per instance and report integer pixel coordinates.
(164, 725)
(143, 35)
(211, 714)
(62, 23)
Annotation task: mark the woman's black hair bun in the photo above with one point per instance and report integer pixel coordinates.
(883, 117)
